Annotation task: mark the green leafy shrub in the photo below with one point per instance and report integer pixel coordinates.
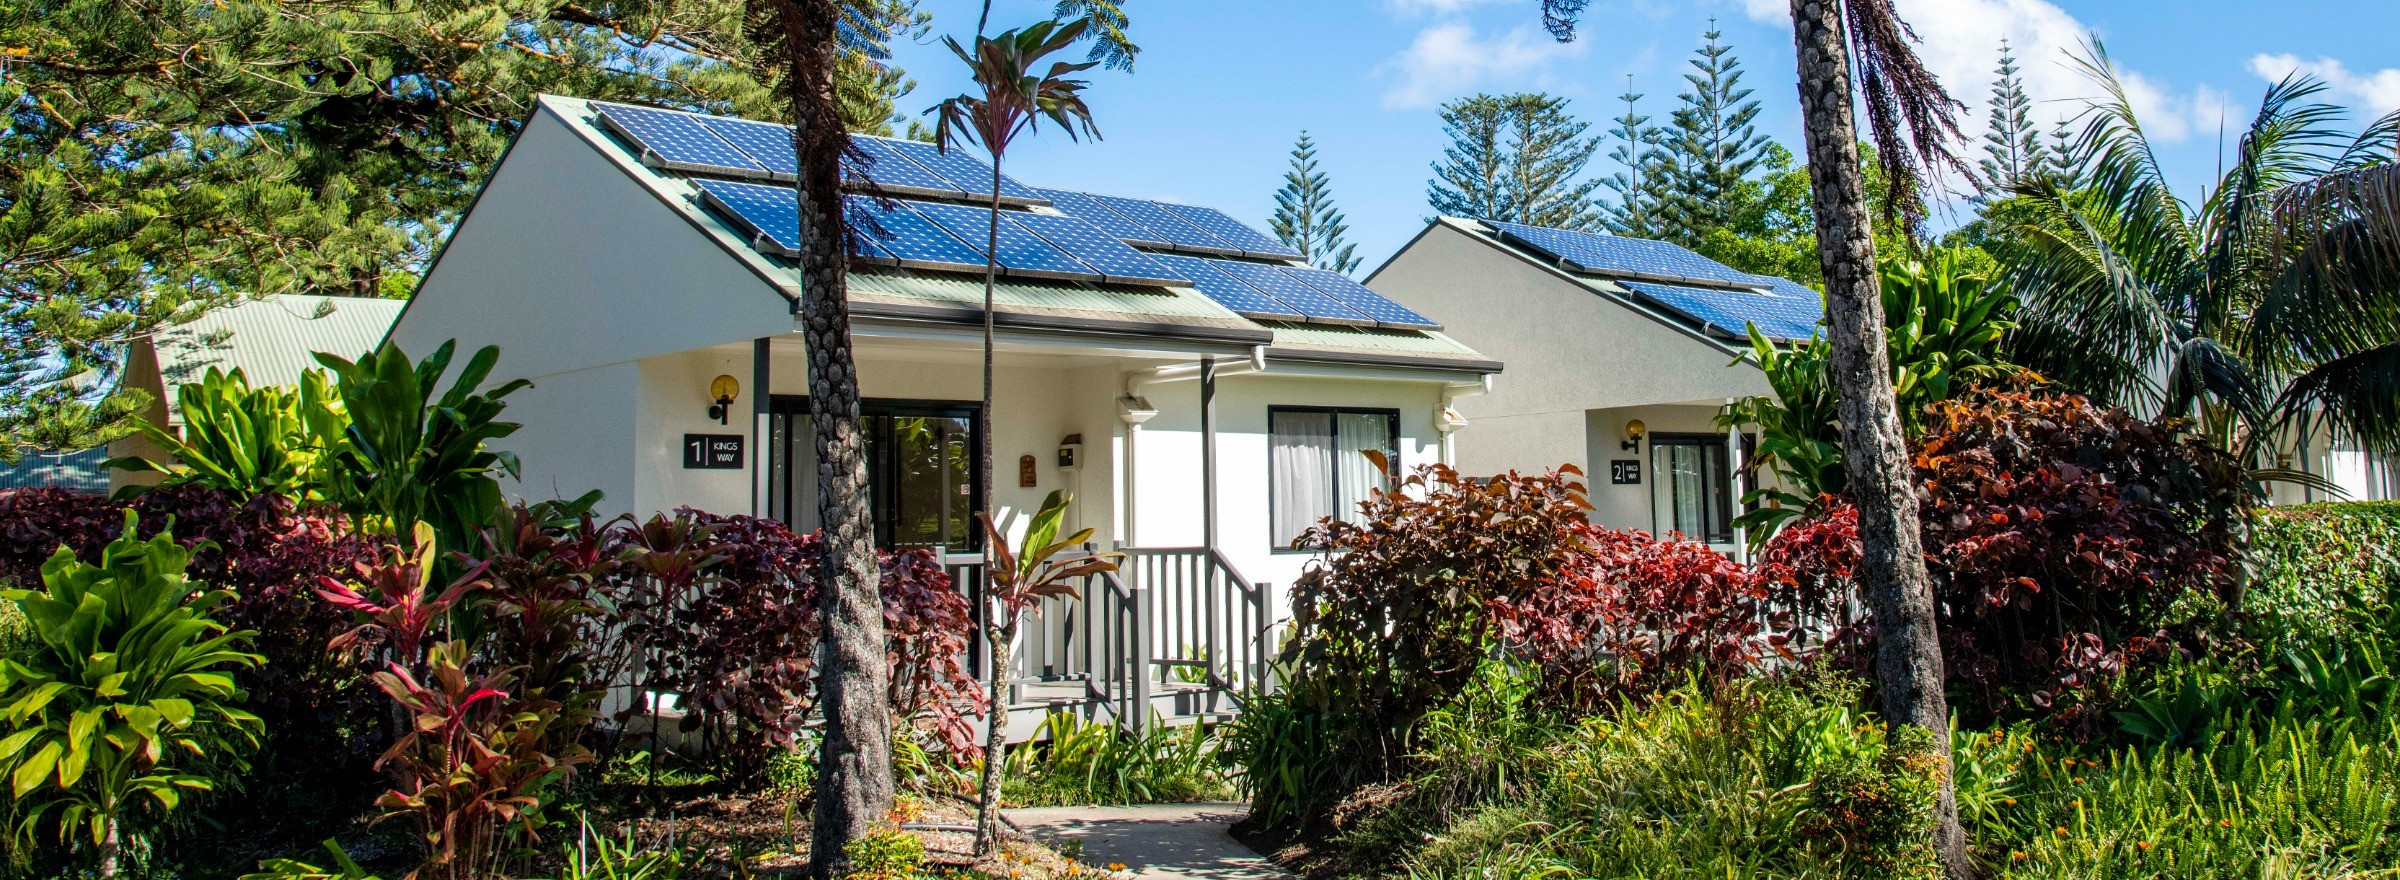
(1073, 761)
(128, 700)
(2298, 799)
(1754, 779)
(886, 854)
(244, 440)
(2309, 564)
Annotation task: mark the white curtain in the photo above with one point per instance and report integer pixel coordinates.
(1355, 473)
(1300, 454)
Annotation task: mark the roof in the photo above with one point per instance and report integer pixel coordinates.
(947, 294)
(272, 339)
(1668, 279)
(72, 471)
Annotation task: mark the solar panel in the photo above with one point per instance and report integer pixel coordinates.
(1781, 316)
(896, 172)
(1089, 208)
(1169, 229)
(1357, 296)
(964, 173)
(1612, 254)
(678, 141)
(1020, 252)
(1097, 249)
(913, 239)
(1243, 299)
(766, 143)
(1308, 301)
(769, 215)
(1232, 232)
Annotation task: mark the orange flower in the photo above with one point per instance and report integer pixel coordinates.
(2145, 845)
(2060, 831)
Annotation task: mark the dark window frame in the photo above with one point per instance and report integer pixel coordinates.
(880, 488)
(1735, 471)
(1274, 486)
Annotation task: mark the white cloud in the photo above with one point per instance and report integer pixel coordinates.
(1450, 59)
(1768, 11)
(2377, 92)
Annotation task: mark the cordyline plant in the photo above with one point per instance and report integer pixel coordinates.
(474, 764)
(403, 605)
(1043, 567)
(127, 696)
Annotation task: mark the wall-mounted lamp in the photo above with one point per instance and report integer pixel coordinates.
(1633, 434)
(723, 390)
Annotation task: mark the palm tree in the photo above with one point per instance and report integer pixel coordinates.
(1914, 123)
(2269, 306)
(1010, 100)
(805, 40)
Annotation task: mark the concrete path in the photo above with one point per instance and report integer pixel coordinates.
(1161, 841)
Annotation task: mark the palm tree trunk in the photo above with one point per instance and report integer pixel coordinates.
(854, 765)
(1908, 663)
(995, 735)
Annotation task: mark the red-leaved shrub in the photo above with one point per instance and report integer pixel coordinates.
(1427, 582)
(2065, 542)
(725, 609)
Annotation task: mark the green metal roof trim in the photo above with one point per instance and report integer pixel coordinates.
(1158, 304)
(1330, 338)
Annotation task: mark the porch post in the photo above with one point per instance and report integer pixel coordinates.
(1208, 452)
(761, 430)
(1739, 484)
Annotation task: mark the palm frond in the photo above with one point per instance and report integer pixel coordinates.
(2339, 290)
(2356, 395)
(1913, 120)
(2201, 370)
(2123, 171)
(2379, 144)
(2291, 139)
(2087, 317)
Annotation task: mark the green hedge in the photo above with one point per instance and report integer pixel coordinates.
(2309, 562)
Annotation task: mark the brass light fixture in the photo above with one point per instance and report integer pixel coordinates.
(1633, 434)
(723, 390)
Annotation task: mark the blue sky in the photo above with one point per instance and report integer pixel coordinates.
(1223, 86)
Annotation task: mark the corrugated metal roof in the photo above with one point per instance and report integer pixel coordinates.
(1037, 297)
(1370, 340)
(272, 339)
(72, 471)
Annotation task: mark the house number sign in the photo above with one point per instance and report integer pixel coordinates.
(1625, 471)
(712, 451)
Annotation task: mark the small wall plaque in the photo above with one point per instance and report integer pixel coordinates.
(712, 451)
(1625, 472)
(1025, 471)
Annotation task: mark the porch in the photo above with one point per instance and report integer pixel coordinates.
(1175, 636)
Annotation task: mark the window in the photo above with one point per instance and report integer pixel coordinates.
(921, 471)
(1691, 487)
(1315, 463)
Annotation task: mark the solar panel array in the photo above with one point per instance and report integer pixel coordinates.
(1636, 257)
(742, 148)
(1090, 238)
(1228, 291)
(1680, 281)
(1355, 295)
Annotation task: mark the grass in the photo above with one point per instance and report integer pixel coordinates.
(1078, 762)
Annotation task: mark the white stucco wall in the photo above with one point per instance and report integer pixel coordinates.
(1569, 350)
(566, 264)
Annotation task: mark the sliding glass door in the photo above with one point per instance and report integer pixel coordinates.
(922, 471)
